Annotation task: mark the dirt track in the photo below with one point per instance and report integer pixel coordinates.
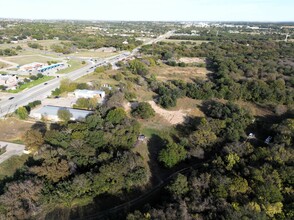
(173, 117)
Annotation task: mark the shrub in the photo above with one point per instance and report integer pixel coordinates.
(143, 110)
(22, 113)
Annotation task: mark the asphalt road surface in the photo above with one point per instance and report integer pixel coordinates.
(11, 150)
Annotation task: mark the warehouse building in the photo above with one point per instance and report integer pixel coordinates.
(50, 113)
(88, 94)
(50, 67)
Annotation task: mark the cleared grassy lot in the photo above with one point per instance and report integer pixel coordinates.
(31, 84)
(24, 45)
(74, 65)
(165, 72)
(38, 53)
(25, 59)
(3, 65)
(102, 78)
(87, 53)
(13, 129)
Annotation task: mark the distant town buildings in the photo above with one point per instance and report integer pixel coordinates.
(253, 27)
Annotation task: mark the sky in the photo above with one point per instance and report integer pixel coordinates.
(150, 10)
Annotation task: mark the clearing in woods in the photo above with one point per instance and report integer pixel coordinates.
(173, 117)
(187, 74)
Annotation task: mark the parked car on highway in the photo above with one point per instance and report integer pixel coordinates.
(45, 83)
(11, 98)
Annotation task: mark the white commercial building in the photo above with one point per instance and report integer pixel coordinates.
(88, 94)
(50, 113)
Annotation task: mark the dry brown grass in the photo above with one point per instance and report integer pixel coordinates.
(186, 74)
(143, 94)
(156, 123)
(103, 78)
(95, 54)
(192, 60)
(142, 149)
(189, 105)
(255, 109)
(3, 65)
(12, 129)
(22, 60)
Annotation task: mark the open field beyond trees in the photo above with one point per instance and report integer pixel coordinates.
(26, 59)
(187, 74)
(74, 65)
(93, 54)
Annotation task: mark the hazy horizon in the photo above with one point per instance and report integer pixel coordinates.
(151, 10)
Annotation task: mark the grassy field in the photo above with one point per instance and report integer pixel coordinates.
(94, 54)
(9, 167)
(257, 110)
(22, 60)
(165, 72)
(12, 129)
(189, 104)
(74, 65)
(154, 125)
(102, 78)
(48, 43)
(38, 53)
(24, 45)
(3, 65)
(32, 84)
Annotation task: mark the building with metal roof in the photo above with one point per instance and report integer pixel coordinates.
(84, 93)
(50, 112)
(52, 66)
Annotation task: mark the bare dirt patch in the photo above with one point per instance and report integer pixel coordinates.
(192, 60)
(173, 117)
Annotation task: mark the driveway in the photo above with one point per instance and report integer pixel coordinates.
(11, 150)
